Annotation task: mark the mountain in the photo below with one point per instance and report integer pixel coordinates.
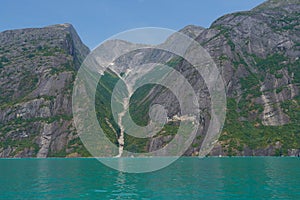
(38, 67)
(257, 53)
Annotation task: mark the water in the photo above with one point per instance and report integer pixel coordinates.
(187, 178)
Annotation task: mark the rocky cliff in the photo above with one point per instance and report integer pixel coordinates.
(256, 51)
(37, 70)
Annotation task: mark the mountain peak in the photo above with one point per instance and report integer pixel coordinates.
(192, 30)
(271, 4)
(63, 26)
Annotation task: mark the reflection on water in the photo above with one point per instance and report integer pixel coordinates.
(41, 180)
(281, 179)
(124, 189)
(187, 178)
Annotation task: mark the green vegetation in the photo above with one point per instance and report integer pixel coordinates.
(136, 145)
(29, 142)
(278, 90)
(237, 133)
(4, 59)
(60, 154)
(66, 67)
(28, 82)
(105, 116)
(73, 146)
(285, 23)
(274, 62)
(77, 146)
(140, 105)
(20, 144)
(231, 44)
(170, 128)
(271, 63)
(103, 105)
(294, 71)
(139, 108)
(249, 82)
(175, 62)
(278, 76)
(31, 55)
(48, 51)
(243, 126)
(225, 32)
(19, 122)
(240, 61)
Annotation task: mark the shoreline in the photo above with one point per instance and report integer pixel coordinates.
(160, 157)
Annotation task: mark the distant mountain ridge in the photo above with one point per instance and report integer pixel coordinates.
(257, 52)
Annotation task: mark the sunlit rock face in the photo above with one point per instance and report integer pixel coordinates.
(257, 53)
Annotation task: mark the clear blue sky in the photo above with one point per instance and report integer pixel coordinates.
(96, 20)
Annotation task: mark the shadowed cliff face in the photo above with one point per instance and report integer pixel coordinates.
(38, 67)
(256, 51)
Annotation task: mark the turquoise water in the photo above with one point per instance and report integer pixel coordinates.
(187, 178)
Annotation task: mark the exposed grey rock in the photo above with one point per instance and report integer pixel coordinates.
(294, 152)
(192, 31)
(39, 67)
(235, 41)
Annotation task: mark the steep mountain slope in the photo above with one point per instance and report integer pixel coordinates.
(38, 67)
(256, 51)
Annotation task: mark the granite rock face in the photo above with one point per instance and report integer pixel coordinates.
(38, 67)
(257, 53)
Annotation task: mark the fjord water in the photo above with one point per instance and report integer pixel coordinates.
(187, 178)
